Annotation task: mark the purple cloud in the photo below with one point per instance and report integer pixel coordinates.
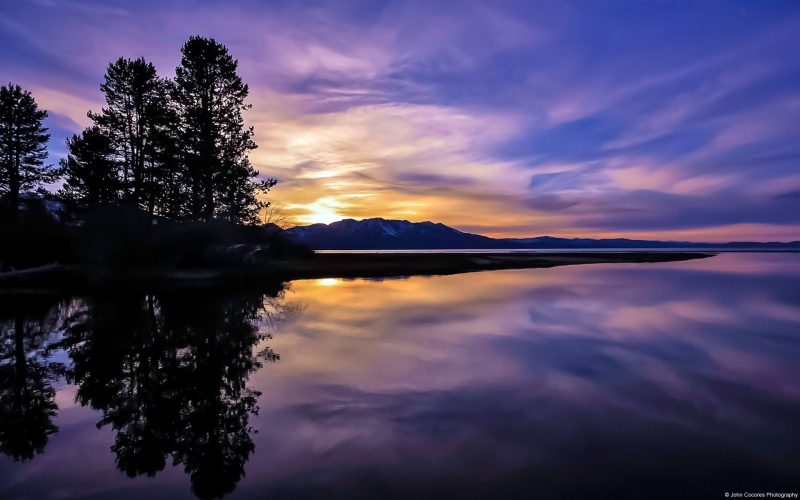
(588, 119)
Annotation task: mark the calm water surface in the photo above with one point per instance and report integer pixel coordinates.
(673, 380)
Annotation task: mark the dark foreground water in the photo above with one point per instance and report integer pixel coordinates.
(675, 380)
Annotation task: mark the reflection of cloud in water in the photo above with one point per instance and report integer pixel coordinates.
(661, 380)
(657, 367)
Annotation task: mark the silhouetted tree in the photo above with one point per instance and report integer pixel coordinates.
(27, 397)
(169, 374)
(239, 201)
(210, 98)
(23, 142)
(277, 214)
(123, 364)
(174, 149)
(215, 439)
(89, 170)
(137, 111)
(168, 185)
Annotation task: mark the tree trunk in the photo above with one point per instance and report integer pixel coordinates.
(209, 197)
(197, 211)
(14, 184)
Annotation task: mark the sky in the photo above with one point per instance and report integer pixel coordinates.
(646, 119)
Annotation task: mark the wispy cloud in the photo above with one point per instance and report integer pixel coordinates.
(507, 117)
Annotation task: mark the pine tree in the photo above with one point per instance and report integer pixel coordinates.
(210, 97)
(165, 183)
(91, 175)
(23, 145)
(136, 113)
(239, 202)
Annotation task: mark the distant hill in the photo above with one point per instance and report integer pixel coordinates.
(383, 234)
(543, 242)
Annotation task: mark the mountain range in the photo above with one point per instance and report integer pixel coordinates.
(387, 234)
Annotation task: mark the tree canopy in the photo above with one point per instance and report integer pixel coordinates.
(23, 145)
(177, 149)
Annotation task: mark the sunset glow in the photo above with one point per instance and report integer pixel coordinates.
(321, 211)
(552, 124)
(423, 249)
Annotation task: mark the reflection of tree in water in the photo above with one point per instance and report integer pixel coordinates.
(169, 374)
(27, 397)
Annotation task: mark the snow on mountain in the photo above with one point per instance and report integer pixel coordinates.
(385, 234)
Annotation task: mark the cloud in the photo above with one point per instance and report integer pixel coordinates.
(513, 118)
(83, 7)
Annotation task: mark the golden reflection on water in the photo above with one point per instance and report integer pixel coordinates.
(327, 282)
(436, 333)
(425, 377)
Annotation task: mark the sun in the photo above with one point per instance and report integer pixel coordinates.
(321, 211)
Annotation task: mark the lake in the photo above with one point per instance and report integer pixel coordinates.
(668, 380)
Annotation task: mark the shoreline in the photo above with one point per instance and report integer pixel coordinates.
(376, 265)
(323, 265)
